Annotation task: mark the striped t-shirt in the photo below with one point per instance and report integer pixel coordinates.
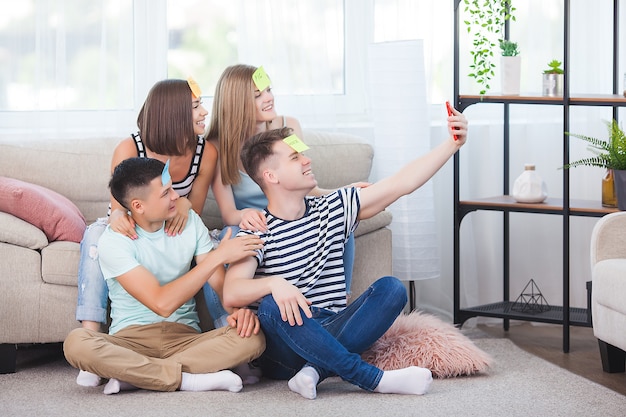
(308, 252)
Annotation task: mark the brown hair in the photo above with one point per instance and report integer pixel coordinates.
(233, 118)
(165, 119)
(258, 149)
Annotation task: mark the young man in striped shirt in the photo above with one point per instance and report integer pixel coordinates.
(298, 285)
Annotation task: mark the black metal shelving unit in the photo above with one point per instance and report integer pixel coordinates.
(507, 309)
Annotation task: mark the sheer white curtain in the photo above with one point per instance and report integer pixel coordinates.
(69, 67)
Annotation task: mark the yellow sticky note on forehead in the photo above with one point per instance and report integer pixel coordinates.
(260, 79)
(295, 143)
(195, 88)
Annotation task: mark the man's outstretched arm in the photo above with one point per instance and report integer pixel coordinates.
(416, 173)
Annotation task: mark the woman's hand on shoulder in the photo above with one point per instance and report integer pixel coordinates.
(252, 219)
(176, 225)
(122, 223)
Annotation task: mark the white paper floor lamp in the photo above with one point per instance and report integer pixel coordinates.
(397, 93)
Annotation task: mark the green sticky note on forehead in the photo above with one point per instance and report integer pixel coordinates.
(295, 143)
(260, 78)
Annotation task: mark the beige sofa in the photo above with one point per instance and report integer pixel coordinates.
(608, 309)
(38, 279)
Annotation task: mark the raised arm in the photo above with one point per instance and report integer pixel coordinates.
(416, 173)
(120, 221)
(204, 178)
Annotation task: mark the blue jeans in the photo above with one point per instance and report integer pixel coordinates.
(331, 342)
(217, 312)
(93, 293)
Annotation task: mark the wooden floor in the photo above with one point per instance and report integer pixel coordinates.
(546, 341)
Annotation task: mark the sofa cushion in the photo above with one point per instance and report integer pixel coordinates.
(17, 232)
(59, 263)
(609, 284)
(338, 159)
(53, 213)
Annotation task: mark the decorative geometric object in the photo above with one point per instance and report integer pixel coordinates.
(531, 300)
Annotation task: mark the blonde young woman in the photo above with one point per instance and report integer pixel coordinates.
(241, 110)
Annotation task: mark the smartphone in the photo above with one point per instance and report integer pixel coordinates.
(449, 108)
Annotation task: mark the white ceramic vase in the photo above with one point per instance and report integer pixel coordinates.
(529, 187)
(511, 68)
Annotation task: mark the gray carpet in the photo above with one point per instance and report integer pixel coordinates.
(518, 384)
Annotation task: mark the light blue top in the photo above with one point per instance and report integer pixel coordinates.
(166, 257)
(248, 194)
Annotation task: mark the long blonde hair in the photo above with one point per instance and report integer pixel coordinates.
(233, 118)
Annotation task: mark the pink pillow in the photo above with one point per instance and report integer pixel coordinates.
(424, 340)
(48, 210)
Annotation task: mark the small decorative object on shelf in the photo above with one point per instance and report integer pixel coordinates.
(609, 198)
(511, 67)
(609, 154)
(486, 24)
(529, 187)
(625, 84)
(531, 300)
(553, 79)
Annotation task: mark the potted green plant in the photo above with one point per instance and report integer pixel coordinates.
(610, 154)
(485, 23)
(511, 64)
(553, 79)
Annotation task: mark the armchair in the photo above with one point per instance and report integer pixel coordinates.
(608, 308)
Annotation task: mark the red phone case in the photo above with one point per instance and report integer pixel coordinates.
(449, 108)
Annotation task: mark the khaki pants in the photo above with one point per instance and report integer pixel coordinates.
(154, 356)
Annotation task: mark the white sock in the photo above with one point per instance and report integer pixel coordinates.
(305, 382)
(412, 380)
(248, 373)
(222, 380)
(87, 379)
(114, 386)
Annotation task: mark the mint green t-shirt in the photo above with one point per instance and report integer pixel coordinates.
(166, 257)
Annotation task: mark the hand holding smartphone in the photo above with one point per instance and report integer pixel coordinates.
(449, 108)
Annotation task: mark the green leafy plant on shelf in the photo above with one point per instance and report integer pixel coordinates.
(554, 67)
(508, 48)
(610, 153)
(486, 23)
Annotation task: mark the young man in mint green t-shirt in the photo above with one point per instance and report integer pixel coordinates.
(155, 341)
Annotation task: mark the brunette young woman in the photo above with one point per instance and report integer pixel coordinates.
(171, 124)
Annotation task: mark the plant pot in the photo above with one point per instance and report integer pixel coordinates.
(511, 67)
(552, 85)
(620, 188)
(609, 199)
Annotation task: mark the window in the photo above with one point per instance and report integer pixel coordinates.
(300, 44)
(66, 55)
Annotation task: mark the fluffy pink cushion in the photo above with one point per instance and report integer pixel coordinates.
(48, 210)
(425, 340)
